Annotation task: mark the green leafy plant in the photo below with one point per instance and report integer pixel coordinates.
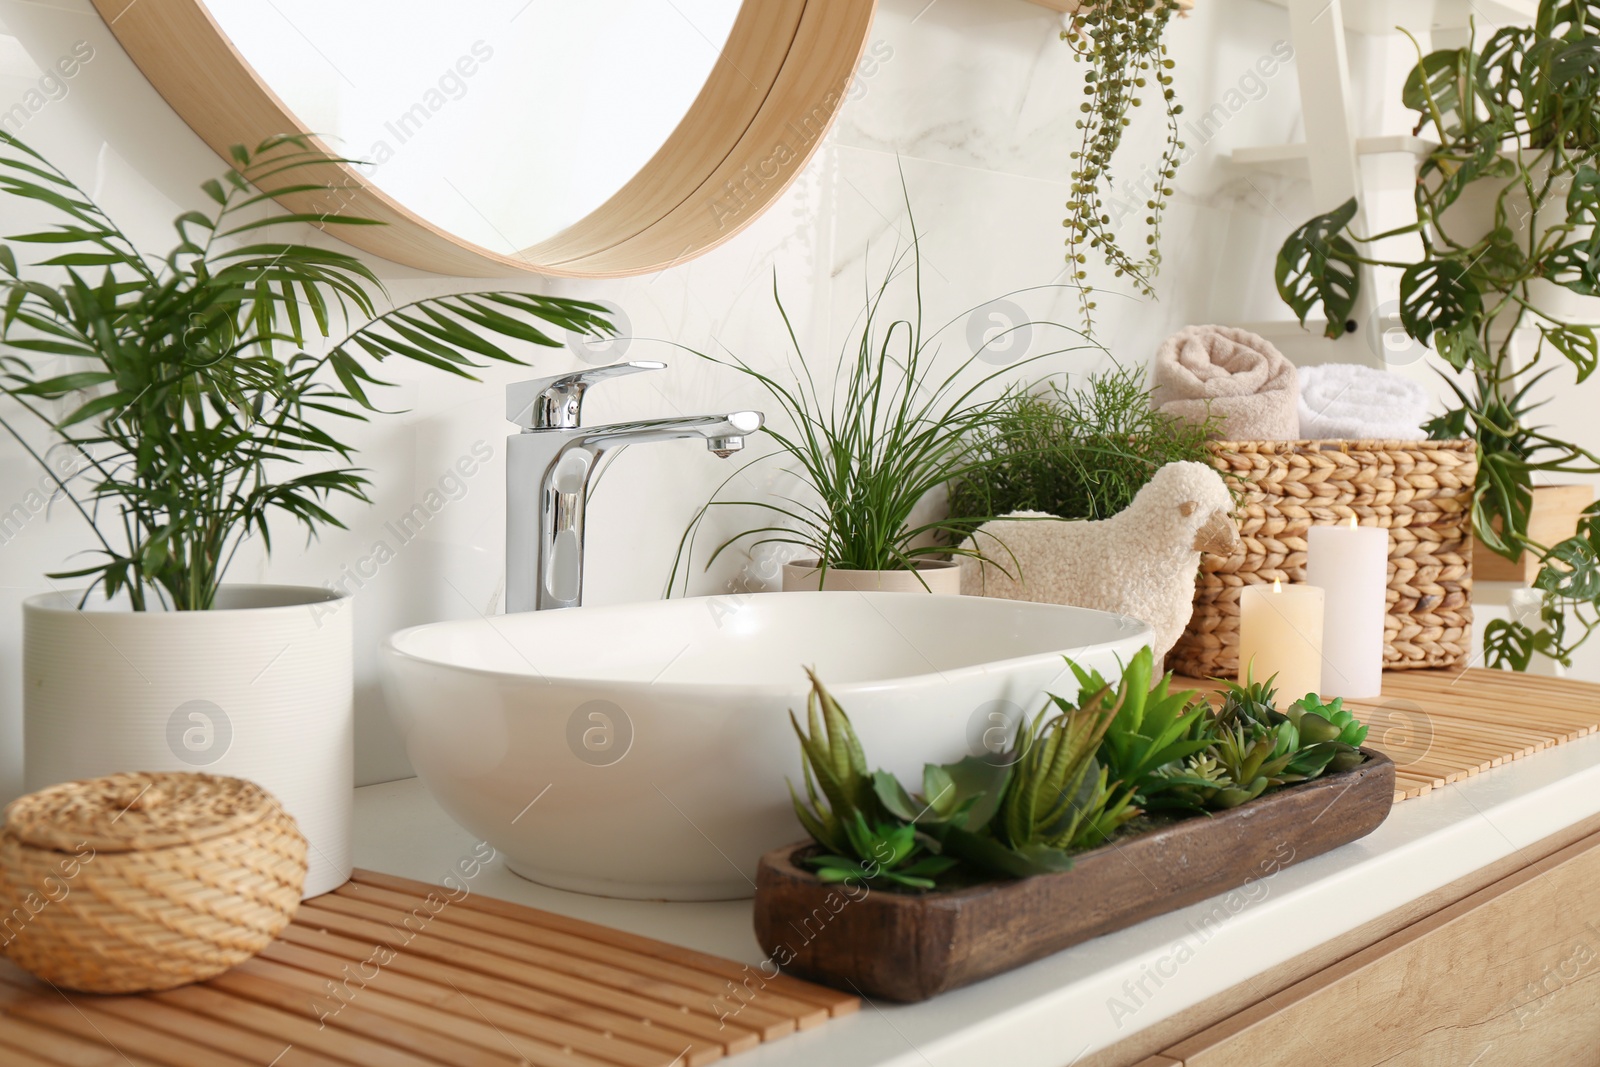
(1121, 42)
(841, 810)
(867, 451)
(1255, 747)
(189, 398)
(1074, 453)
(1506, 207)
(1079, 774)
(1153, 728)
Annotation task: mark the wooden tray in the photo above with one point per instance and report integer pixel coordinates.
(908, 947)
(388, 972)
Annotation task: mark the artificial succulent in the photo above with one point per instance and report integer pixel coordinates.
(1076, 775)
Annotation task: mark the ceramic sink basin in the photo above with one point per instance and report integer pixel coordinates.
(642, 750)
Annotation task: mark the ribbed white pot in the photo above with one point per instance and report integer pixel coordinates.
(933, 576)
(260, 687)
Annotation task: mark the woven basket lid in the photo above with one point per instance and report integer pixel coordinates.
(137, 811)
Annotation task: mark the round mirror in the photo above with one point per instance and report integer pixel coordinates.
(603, 138)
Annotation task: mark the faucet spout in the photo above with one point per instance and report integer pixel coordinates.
(711, 427)
(547, 483)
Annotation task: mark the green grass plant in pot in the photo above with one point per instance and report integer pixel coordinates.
(195, 419)
(1506, 287)
(870, 451)
(1079, 452)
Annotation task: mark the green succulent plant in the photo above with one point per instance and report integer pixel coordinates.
(1195, 784)
(1061, 797)
(1077, 774)
(1327, 729)
(1152, 728)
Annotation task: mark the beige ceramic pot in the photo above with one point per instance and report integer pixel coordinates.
(932, 576)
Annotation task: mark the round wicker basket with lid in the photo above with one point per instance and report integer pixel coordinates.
(145, 881)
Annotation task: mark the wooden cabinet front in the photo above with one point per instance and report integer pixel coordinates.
(1508, 976)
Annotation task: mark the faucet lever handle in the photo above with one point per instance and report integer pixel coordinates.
(557, 402)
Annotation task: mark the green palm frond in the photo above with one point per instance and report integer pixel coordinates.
(192, 384)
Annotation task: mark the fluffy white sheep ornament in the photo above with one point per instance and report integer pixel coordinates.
(1142, 561)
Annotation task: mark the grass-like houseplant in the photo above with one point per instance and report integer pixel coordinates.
(866, 451)
(184, 388)
(1507, 283)
(1076, 453)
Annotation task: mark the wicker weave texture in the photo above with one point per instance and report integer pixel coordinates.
(175, 878)
(1420, 491)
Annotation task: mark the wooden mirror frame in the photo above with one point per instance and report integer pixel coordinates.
(776, 88)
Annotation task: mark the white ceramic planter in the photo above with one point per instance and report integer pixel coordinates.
(933, 576)
(258, 688)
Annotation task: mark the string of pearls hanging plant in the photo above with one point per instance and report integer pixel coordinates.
(1121, 40)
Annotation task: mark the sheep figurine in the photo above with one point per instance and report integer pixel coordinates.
(1142, 561)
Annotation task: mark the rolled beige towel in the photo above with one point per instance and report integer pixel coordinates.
(1232, 373)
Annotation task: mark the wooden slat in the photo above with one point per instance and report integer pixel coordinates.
(389, 972)
(1479, 720)
(488, 991)
(786, 1011)
(61, 1049)
(656, 986)
(837, 1003)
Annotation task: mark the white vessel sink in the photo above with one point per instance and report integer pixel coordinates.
(641, 750)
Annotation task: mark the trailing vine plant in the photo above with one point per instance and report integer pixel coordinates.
(1517, 122)
(1121, 40)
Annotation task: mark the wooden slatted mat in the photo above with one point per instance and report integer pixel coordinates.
(388, 972)
(1444, 726)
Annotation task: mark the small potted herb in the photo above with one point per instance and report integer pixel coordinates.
(1079, 453)
(1130, 801)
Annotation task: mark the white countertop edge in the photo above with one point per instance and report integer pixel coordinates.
(1081, 1000)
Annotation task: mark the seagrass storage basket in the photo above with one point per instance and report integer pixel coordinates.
(145, 881)
(1420, 491)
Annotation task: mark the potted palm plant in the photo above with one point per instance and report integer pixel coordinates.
(183, 389)
(1506, 285)
(871, 452)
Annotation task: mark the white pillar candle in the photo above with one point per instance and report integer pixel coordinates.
(1352, 563)
(1280, 633)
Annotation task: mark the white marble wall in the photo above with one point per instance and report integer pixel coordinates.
(973, 101)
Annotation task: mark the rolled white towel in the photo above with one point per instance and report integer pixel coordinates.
(1346, 401)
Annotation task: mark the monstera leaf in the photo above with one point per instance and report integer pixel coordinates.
(1571, 20)
(1507, 646)
(1571, 569)
(1319, 265)
(1502, 63)
(1437, 295)
(1576, 266)
(1435, 87)
(1577, 343)
(1583, 199)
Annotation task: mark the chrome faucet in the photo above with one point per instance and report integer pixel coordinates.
(548, 467)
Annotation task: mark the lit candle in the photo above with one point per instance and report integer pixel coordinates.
(1352, 563)
(1280, 633)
